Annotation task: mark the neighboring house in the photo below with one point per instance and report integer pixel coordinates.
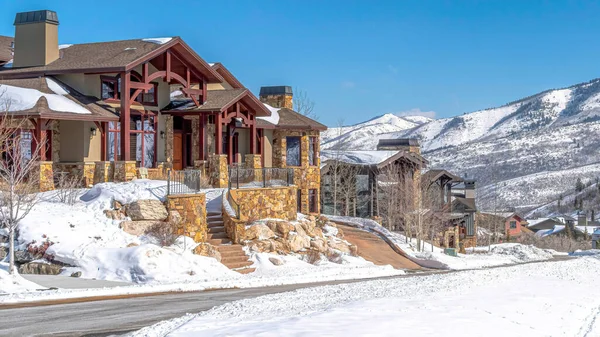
(103, 110)
(513, 223)
(363, 177)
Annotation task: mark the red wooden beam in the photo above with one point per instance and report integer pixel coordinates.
(168, 65)
(145, 72)
(229, 144)
(125, 116)
(143, 86)
(203, 98)
(252, 136)
(38, 142)
(103, 128)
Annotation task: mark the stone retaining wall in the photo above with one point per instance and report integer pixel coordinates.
(263, 203)
(192, 212)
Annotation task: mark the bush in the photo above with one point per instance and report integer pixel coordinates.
(313, 257)
(66, 188)
(334, 256)
(164, 233)
(560, 243)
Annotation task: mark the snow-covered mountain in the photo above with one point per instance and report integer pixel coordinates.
(530, 151)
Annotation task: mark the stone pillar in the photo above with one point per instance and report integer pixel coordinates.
(89, 169)
(195, 139)
(46, 176)
(254, 161)
(102, 172)
(56, 141)
(218, 170)
(192, 210)
(210, 138)
(125, 171)
(169, 140)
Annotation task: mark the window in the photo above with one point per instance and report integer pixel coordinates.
(110, 87)
(149, 98)
(312, 201)
(292, 151)
(513, 225)
(114, 141)
(312, 151)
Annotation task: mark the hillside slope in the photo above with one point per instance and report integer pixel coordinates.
(530, 150)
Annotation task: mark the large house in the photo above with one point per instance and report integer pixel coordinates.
(104, 110)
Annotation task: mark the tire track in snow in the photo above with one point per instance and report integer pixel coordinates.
(587, 329)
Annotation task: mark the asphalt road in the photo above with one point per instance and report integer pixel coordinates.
(118, 316)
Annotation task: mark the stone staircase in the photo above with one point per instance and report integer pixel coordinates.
(232, 255)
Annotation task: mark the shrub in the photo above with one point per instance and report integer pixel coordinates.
(163, 232)
(334, 256)
(313, 256)
(561, 243)
(66, 188)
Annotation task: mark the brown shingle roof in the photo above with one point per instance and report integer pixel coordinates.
(215, 101)
(5, 50)
(99, 111)
(435, 174)
(290, 119)
(111, 56)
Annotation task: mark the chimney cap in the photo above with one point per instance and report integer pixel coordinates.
(47, 16)
(276, 90)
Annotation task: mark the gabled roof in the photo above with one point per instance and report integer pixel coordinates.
(218, 100)
(5, 49)
(290, 119)
(467, 202)
(436, 174)
(374, 159)
(114, 56)
(227, 75)
(49, 98)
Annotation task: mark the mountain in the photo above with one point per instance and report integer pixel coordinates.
(523, 155)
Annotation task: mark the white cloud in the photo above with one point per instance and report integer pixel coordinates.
(416, 112)
(348, 84)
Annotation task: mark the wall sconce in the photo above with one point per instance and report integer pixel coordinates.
(93, 131)
(162, 135)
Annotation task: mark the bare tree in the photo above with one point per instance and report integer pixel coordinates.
(19, 179)
(303, 104)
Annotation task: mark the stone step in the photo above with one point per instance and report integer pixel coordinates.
(234, 265)
(233, 259)
(212, 213)
(216, 242)
(230, 248)
(216, 229)
(219, 235)
(215, 223)
(245, 270)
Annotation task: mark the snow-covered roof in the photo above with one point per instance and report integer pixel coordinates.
(158, 40)
(358, 157)
(15, 98)
(274, 118)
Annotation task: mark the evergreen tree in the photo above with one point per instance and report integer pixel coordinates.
(579, 185)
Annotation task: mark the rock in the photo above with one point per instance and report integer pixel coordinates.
(3, 239)
(299, 242)
(284, 228)
(340, 233)
(174, 217)
(138, 228)
(40, 268)
(318, 232)
(320, 245)
(206, 249)
(147, 210)
(281, 246)
(117, 205)
(276, 261)
(300, 230)
(133, 244)
(23, 256)
(311, 218)
(258, 232)
(76, 274)
(332, 224)
(354, 250)
(114, 214)
(261, 246)
(309, 229)
(3, 252)
(272, 225)
(341, 246)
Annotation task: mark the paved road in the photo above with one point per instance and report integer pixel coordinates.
(118, 316)
(66, 282)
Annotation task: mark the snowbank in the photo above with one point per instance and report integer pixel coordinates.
(14, 283)
(512, 301)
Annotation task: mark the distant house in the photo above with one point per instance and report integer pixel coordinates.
(562, 225)
(513, 223)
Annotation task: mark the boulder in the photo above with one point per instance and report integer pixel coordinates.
(320, 245)
(261, 246)
(340, 233)
(354, 250)
(117, 205)
(299, 242)
(283, 229)
(133, 244)
(318, 232)
(339, 245)
(114, 214)
(258, 232)
(174, 217)
(39, 268)
(3, 252)
(272, 225)
(309, 229)
(311, 218)
(300, 230)
(276, 261)
(138, 228)
(23, 256)
(147, 210)
(206, 249)
(281, 246)
(76, 274)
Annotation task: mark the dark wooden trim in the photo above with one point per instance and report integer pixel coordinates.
(125, 117)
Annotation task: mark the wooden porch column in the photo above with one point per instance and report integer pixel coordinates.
(229, 144)
(218, 134)
(38, 142)
(125, 116)
(202, 135)
(253, 135)
(103, 131)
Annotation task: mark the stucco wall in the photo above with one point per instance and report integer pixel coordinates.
(36, 44)
(71, 141)
(268, 148)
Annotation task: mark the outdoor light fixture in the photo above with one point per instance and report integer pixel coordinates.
(162, 135)
(93, 131)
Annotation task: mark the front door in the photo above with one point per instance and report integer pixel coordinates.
(177, 151)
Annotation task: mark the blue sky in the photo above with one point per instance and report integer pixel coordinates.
(359, 59)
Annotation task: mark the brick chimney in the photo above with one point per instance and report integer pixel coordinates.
(36, 38)
(278, 96)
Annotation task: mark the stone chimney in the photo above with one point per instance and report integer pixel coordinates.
(470, 189)
(581, 219)
(36, 38)
(400, 144)
(278, 96)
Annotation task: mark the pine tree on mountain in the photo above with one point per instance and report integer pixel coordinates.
(579, 186)
(593, 216)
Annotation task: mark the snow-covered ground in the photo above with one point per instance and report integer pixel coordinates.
(14, 283)
(543, 299)
(498, 255)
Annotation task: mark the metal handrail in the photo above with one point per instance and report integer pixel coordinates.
(184, 182)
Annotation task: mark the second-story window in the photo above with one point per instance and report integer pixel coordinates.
(292, 151)
(312, 151)
(110, 87)
(513, 225)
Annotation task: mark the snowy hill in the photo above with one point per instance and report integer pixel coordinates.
(530, 151)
